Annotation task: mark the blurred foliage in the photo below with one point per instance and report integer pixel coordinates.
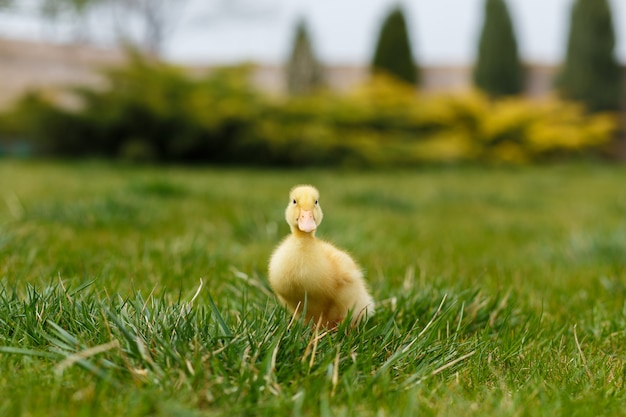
(393, 54)
(143, 24)
(148, 111)
(304, 71)
(498, 70)
(591, 73)
(155, 112)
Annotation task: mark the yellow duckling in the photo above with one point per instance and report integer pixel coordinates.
(310, 274)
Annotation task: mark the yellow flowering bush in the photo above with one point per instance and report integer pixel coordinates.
(154, 111)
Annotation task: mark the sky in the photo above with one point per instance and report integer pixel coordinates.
(442, 32)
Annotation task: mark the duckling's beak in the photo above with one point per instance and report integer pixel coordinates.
(306, 222)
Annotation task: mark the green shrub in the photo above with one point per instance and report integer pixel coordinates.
(591, 73)
(498, 70)
(393, 54)
(154, 109)
(304, 71)
(153, 112)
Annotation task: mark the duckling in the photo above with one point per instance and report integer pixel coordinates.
(307, 273)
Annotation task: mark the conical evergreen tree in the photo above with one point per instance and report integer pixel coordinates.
(393, 51)
(498, 70)
(591, 73)
(304, 72)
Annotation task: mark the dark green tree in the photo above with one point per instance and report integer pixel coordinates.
(498, 70)
(393, 51)
(304, 72)
(591, 73)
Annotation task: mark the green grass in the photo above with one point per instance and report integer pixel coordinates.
(143, 291)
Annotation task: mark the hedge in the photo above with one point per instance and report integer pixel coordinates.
(155, 112)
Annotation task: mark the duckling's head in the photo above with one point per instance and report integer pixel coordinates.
(303, 212)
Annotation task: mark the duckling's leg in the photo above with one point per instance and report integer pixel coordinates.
(334, 315)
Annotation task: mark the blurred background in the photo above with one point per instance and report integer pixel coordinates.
(277, 82)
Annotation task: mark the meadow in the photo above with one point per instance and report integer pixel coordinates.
(138, 291)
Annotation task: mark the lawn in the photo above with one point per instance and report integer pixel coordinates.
(143, 291)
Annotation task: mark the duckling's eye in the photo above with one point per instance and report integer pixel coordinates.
(316, 202)
(294, 201)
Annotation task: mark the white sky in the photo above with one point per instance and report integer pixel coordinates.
(344, 31)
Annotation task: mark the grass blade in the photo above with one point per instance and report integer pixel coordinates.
(219, 318)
